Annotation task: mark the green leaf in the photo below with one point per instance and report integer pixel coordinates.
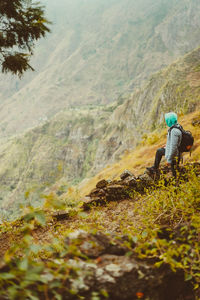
(40, 217)
(23, 264)
(31, 297)
(47, 277)
(55, 284)
(104, 293)
(129, 253)
(83, 215)
(32, 277)
(57, 296)
(188, 277)
(28, 238)
(144, 234)
(35, 248)
(158, 264)
(6, 276)
(135, 239)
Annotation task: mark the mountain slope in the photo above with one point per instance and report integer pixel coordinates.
(98, 51)
(146, 245)
(76, 144)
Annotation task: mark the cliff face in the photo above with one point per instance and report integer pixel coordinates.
(78, 143)
(62, 148)
(97, 51)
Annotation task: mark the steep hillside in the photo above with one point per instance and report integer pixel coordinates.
(77, 143)
(141, 243)
(98, 50)
(62, 148)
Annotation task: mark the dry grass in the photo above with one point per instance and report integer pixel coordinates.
(194, 79)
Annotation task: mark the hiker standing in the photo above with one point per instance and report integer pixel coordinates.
(171, 151)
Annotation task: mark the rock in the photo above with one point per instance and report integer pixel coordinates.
(92, 202)
(125, 189)
(196, 121)
(131, 181)
(116, 192)
(115, 188)
(85, 199)
(126, 174)
(145, 179)
(95, 245)
(102, 184)
(94, 193)
(61, 215)
(124, 278)
(99, 193)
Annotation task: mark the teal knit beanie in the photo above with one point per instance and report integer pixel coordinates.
(171, 119)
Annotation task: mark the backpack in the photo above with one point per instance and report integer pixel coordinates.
(187, 139)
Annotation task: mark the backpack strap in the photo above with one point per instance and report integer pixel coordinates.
(177, 127)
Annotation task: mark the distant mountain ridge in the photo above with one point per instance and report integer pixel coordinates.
(98, 51)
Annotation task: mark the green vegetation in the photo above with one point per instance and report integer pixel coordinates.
(169, 227)
(164, 226)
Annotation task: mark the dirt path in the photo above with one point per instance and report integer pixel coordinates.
(110, 218)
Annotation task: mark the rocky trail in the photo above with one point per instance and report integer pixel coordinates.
(129, 185)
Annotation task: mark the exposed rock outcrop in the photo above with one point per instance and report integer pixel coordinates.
(117, 190)
(129, 185)
(120, 276)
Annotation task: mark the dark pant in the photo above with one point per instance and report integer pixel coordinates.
(159, 154)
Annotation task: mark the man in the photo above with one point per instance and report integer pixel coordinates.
(171, 151)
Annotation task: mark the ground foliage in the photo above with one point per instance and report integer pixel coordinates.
(22, 23)
(170, 227)
(165, 230)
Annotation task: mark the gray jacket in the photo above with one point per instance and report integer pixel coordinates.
(174, 138)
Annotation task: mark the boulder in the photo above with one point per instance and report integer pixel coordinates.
(115, 188)
(92, 202)
(102, 184)
(120, 276)
(116, 192)
(126, 174)
(131, 181)
(144, 181)
(60, 215)
(94, 245)
(94, 192)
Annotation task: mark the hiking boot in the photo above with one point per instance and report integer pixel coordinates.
(152, 170)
